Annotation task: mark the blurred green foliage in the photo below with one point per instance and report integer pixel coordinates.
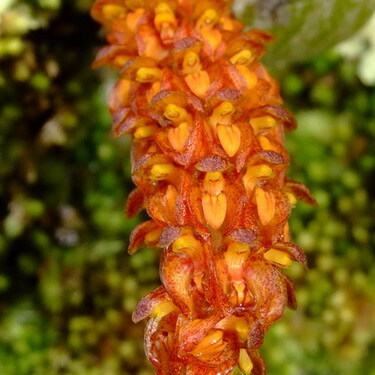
(333, 330)
(303, 28)
(67, 286)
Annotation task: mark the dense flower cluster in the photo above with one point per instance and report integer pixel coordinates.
(210, 168)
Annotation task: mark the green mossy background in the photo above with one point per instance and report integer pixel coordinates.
(67, 285)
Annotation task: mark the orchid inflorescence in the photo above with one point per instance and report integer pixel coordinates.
(209, 164)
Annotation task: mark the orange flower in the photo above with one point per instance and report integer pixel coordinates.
(210, 167)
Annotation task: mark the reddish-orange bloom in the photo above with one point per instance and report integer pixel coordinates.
(210, 166)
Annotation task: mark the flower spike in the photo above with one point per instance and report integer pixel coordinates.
(209, 163)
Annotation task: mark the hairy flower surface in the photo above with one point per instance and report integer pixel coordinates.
(210, 166)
